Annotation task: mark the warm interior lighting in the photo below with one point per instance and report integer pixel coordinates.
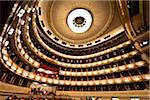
(141, 63)
(110, 81)
(67, 82)
(67, 73)
(56, 81)
(22, 51)
(26, 56)
(127, 79)
(114, 69)
(136, 78)
(147, 77)
(84, 83)
(1, 39)
(6, 43)
(50, 80)
(135, 98)
(31, 75)
(14, 67)
(43, 79)
(25, 73)
(122, 67)
(91, 83)
(103, 82)
(107, 70)
(73, 83)
(118, 80)
(4, 51)
(115, 98)
(101, 71)
(133, 52)
(79, 83)
(19, 70)
(5, 57)
(130, 65)
(125, 55)
(61, 82)
(37, 77)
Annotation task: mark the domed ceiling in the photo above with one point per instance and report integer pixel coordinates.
(78, 22)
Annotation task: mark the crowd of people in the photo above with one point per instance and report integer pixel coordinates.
(38, 91)
(14, 97)
(38, 94)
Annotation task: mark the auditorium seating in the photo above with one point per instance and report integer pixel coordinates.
(103, 69)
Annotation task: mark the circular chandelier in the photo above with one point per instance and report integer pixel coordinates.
(79, 20)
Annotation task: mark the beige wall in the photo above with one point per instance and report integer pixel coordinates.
(4, 87)
(123, 95)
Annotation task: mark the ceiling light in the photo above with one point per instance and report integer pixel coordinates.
(97, 82)
(19, 46)
(91, 83)
(127, 79)
(125, 55)
(21, 13)
(4, 51)
(110, 81)
(37, 77)
(61, 82)
(140, 63)
(146, 76)
(122, 67)
(31, 75)
(56, 81)
(103, 82)
(48, 72)
(133, 52)
(118, 57)
(45, 84)
(35, 83)
(95, 72)
(19, 70)
(61, 72)
(84, 73)
(101, 71)
(114, 69)
(89, 73)
(6, 43)
(22, 51)
(1, 38)
(136, 78)
(73, 73)
(130, 65)
(25, 73)
(67, 82)
(73, 83)
(50, 80)
(128, 42)
(107, 70)
(5, 57)
(67, 73)
(118, 80)
(78, 73)
(14, 67)
(79, 20)
(41, 70)
(78, 83)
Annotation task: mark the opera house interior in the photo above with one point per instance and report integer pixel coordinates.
(74, 50)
